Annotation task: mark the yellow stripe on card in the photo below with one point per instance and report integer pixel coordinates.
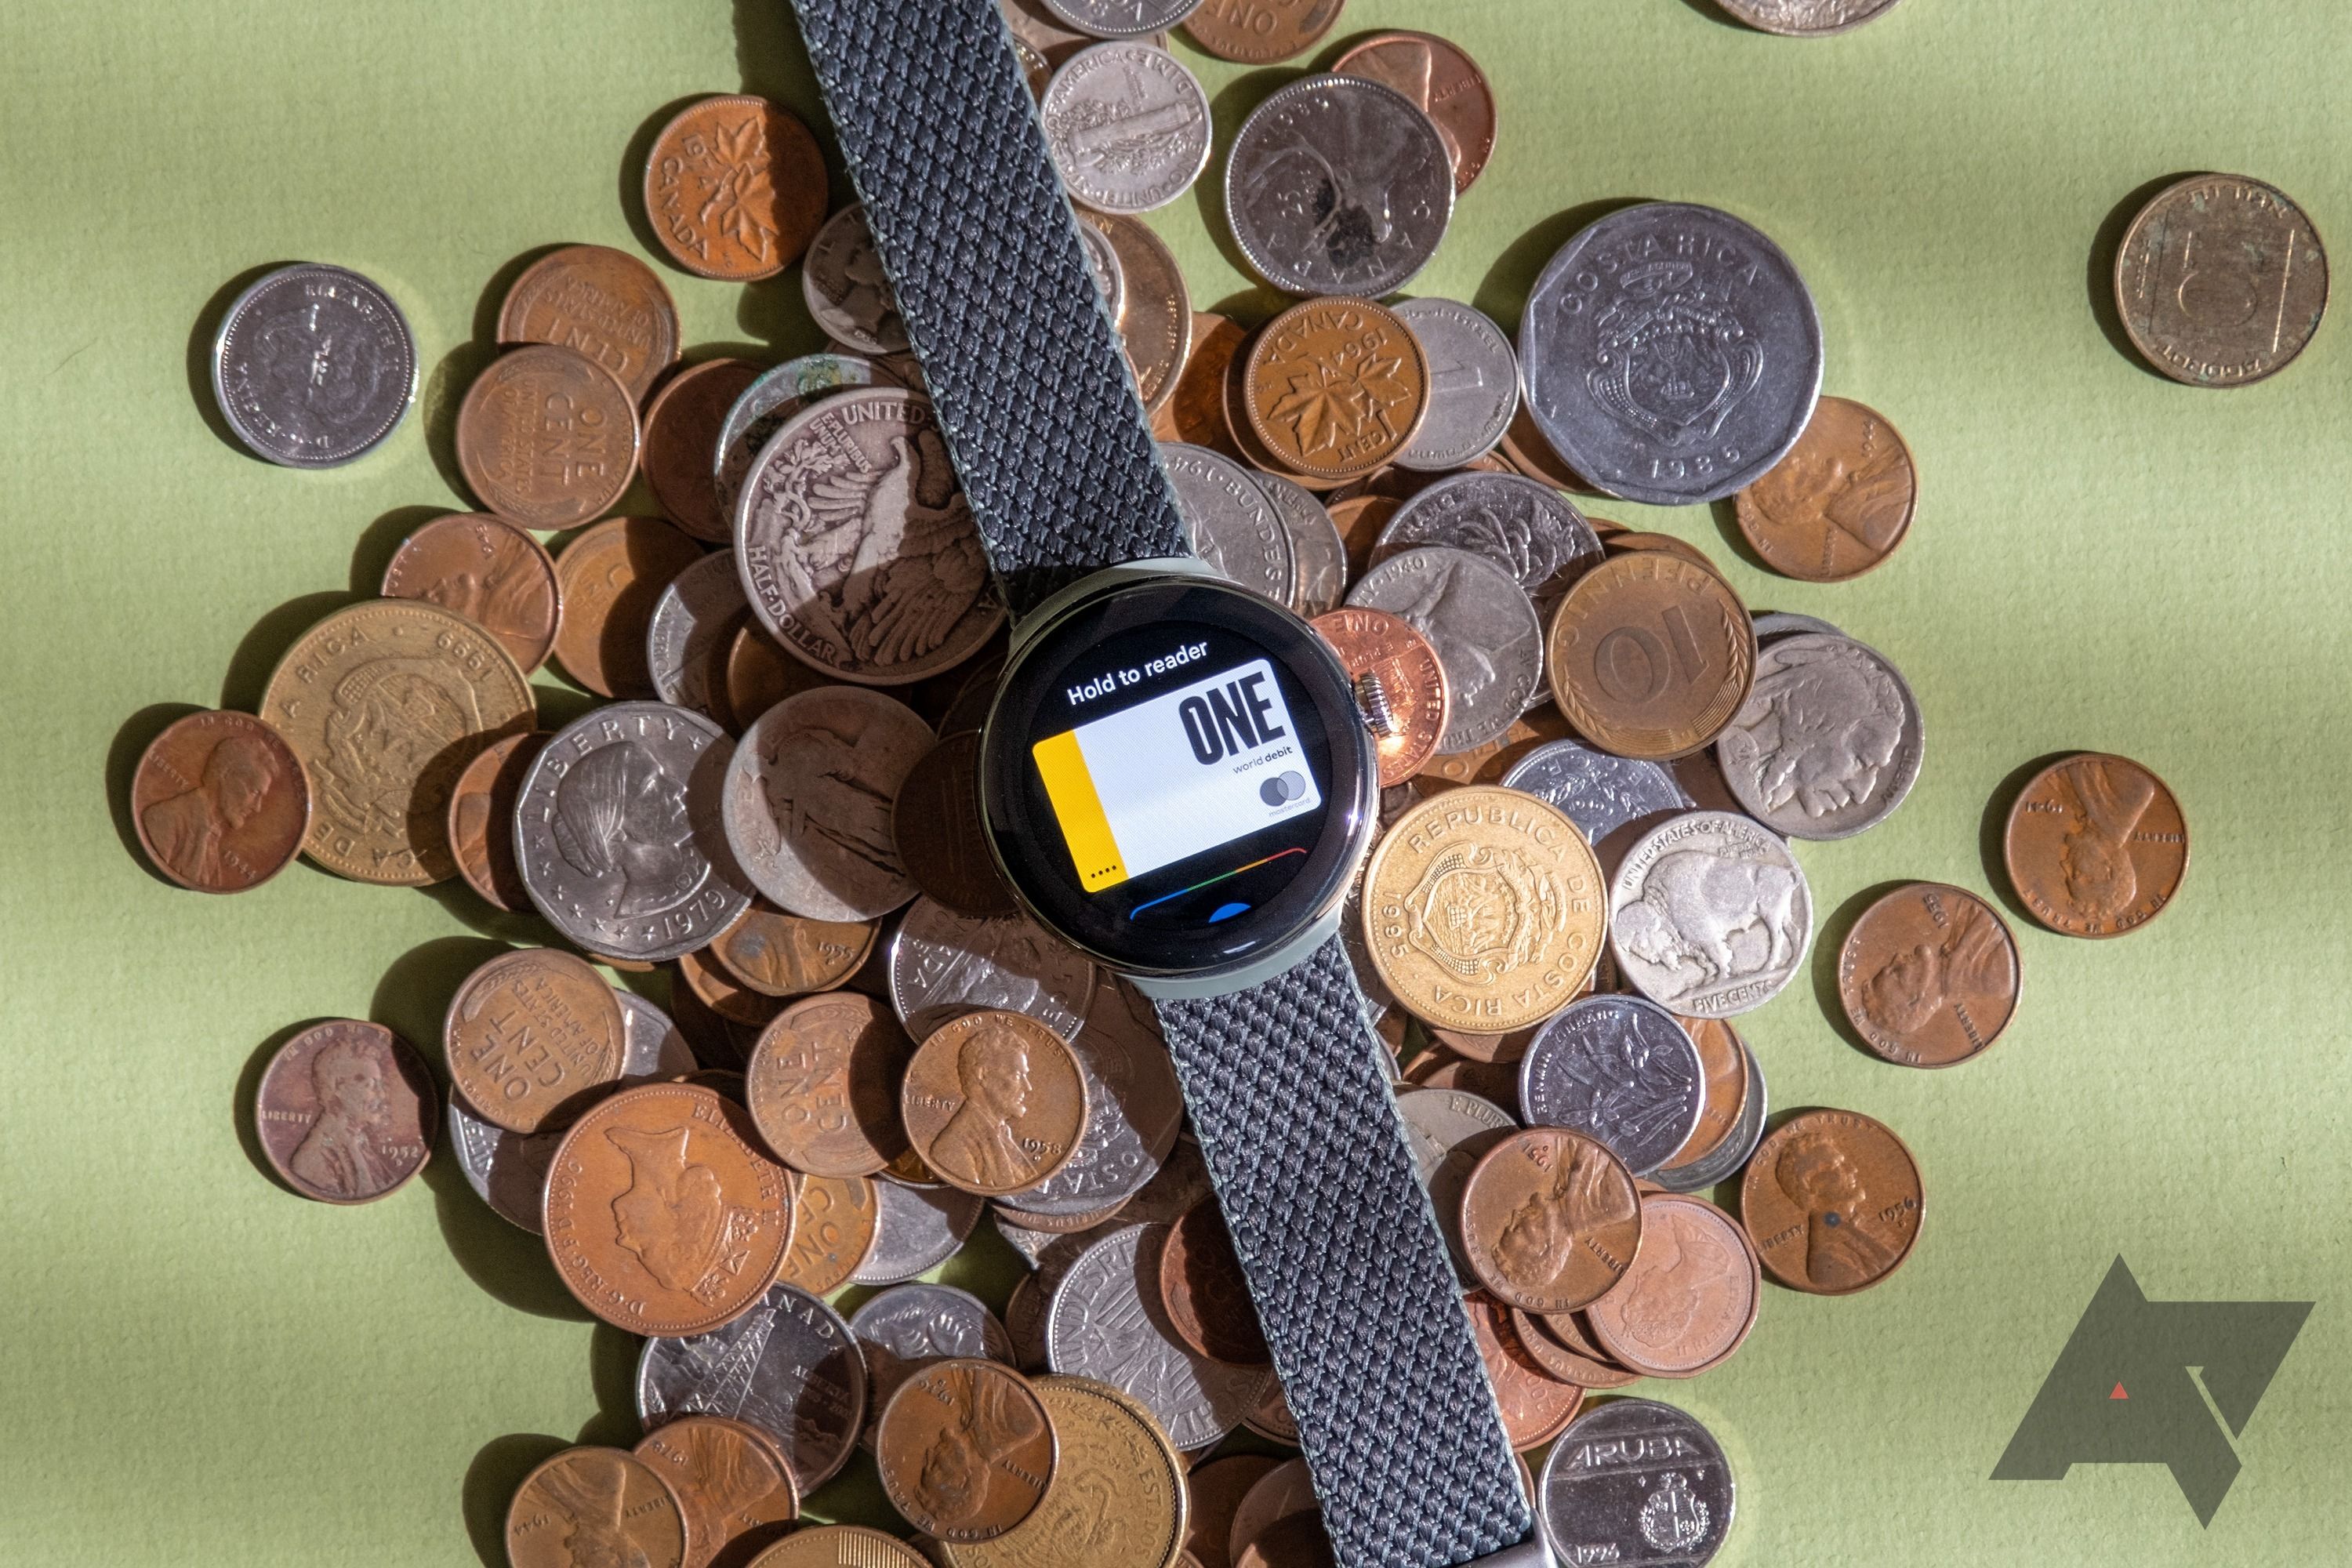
(1080, 811)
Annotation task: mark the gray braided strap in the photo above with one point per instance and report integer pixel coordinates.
(1353, 1284)
(1033, 390)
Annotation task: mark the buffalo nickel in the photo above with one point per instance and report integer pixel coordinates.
(1710, 915)
(1828, 742)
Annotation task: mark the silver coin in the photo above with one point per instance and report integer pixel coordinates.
(618, 836)
(1671, 354)
(788, 1366)
(1122, 18)
(943, 965)
(313, 365)
(848, 292)
(1110, 273)
(1040, 1249)
(1318, 555)
(1724, 1160)
(1598, 793)
(1448, 1131)
(1133, 1106)
(507, 1170)
(907, 1327)
(1336, 185)
(1482, 624)
(1637, 1482)
(1618, 1070)
(693, 622)
(652, 1048)
(1782, 624)
(1530, 530)
(915, 1229)
(1106, 1322)
(1807, 18)
(1128, 126)
(1473, 384)
(1829, 741)
(1710, 915)
(808, 797)
(1232, 525)
(768, 405)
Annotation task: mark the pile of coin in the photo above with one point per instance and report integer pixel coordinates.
(1594, 758)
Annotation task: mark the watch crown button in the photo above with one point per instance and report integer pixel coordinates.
(1372, 700)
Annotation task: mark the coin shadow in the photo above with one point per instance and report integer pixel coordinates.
(453, 373)
(2099, 271)
(200, 356)
(613, 1375)
(259, 652)
(772, 63)
(249, 1097)
(508, 928)
(1993, 832)
(1502, 294)
(1716, 14)
(381, 539)
(131, 741)
(498, 1468)
(1829, 947)
(1726, 513)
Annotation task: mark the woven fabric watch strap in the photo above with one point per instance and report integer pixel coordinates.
(1024, 366)
(1353, 1284)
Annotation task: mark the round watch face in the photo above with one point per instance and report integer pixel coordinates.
(1175, 776)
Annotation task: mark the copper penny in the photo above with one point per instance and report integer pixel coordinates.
(1625, 539)
(481, 820)
(1217, 1488)
(1535, 1406)
(965, 1448)
(1116, 1496)
(1298, 1541)
(681, 443)
(221, 801)
(1525, 447)
(1359, 519)
(613, 574)
(840, 1546)
(605, 303)
(994, 1102)
(1723, 1065)
(1203, 1287)
(2221, 280)
(777, 954)
(661, 1217)
(1691, 1296)
(1588, 1367)
(594, 1505)
(1832, 1199)
(761, 674)
(1156, 320)
(1650, 655)
(834, 1219)
(480, 566)
(1442, 82)
(734, 1489)
(719, 991)
(547, 439)
(532, 1036)
(1928, 976)
(2095, 846)
(1438, 1067)
(735, 188)
(1260, 32)
(937, 827)
(1195, 409)
(1551, 1220)
(823, 1085)
(1286, 1490)
(1839, 503)
(1399, 685)
(346, 1112)
(1335, 388)
(1271, 1418)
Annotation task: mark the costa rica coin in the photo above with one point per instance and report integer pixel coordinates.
(1551, 1220)
(808, 798)
(994, 1101)
(1474, 384)
(1834, 1201)
(1829, 741)
(1839, 503)
(2095, 846)
(611, 577)
(1650, 655)
(916, 1229)
(1636, 1481)
(532, 1036)
(1230, 524)
(1116, 1495)
(693, 623)
(1710, 915)
(823, 1085)
(1107, 1323)
(221, 801)
(848, 292)
(604, 303)
(1690, 1296)
(345, 1112)
(586, 1500)
(547, 439)
(944, 964)
(1483, 625)
(313, 366)
(787, 1367)
(1440, 81)
(729, 1482)
(735, 188)
(682, 433)
(2221, 280)
(1337, 185)
(1128, 126)
(1334, 388)
(966, 1449)
(1399, 683)
(1928, 975)
(480, 566)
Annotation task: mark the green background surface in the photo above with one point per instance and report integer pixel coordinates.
(197, 1367)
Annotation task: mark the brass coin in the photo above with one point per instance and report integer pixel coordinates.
(1117, 1494)
(1832, 1201)
(613, 575)
(733, 1488)
(1551, 1220)
(994, 1102)
(965, 1449)
(1442, 82)
(1260, 32)
(1156, 321)
(1691, 1295)
(221, 801)
(481, 820)
(1928, 976)
(1392, 665)
(1483, 910)
(1650, 655)
(2221, 280)
(840, 1546)
(661, 1217)
(735, 188)
(1335, 388)
(546, 438)
(835, 1220)
(385, 702)
(480, 566)
(1839, 503)
(346, 1112)
(778, 954)
(531, 1037)
(605, 303)
(681, 443)
(823, 1085)
(2095, 846)
(590, 1504)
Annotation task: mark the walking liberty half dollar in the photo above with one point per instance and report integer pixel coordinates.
(1672, 353)
(1710, 915)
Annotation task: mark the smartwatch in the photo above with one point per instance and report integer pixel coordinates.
(1176, 779)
